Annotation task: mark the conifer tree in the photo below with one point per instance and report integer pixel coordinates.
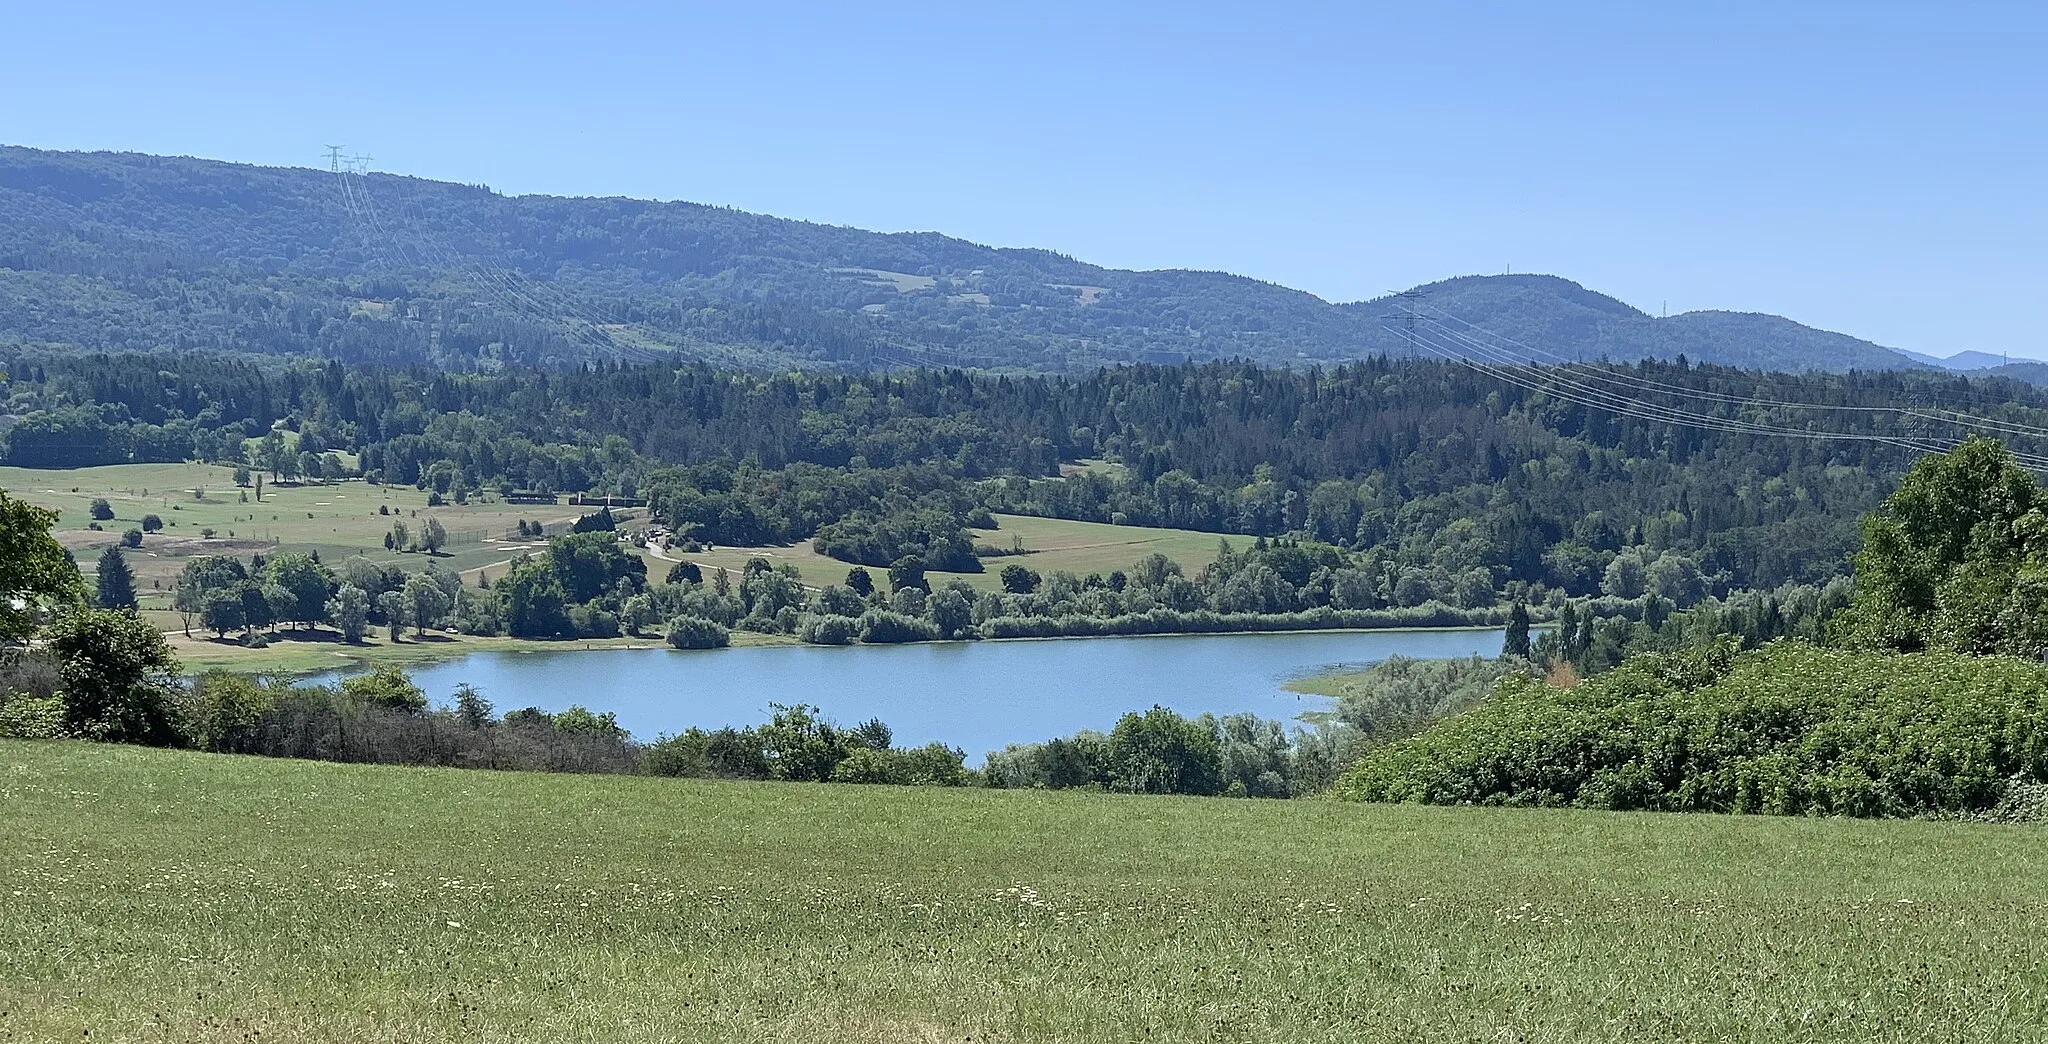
(116, 580)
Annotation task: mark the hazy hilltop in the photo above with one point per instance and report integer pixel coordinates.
(107, 251)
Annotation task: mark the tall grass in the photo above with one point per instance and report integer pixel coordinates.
(153, 896)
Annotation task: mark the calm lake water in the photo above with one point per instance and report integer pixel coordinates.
(978, 696)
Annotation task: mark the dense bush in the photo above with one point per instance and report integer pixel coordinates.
(694, 632)
(1401, 695)
(120, 678)
(1955, 559)
(1162, 752)
(829, 630)
(882, 627)
(932, 765)
(799, 744)
(1789, 729)
(30, 707)
(31, 717)
(935, 536)
(726, 753)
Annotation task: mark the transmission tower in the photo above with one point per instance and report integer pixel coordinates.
(1407, 314)
(334, 158)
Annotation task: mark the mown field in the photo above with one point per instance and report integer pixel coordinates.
(154, 896)
(342, 519)
(338, 520)
(316, 650)
(1049, 543)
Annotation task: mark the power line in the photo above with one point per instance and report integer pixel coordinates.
(1609, 376)
(1471, 353)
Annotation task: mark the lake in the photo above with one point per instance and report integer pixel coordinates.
(978, 696)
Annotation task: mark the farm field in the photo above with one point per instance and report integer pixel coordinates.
(157, 895)
(1051, 543)
(338, 520)
(342, 519)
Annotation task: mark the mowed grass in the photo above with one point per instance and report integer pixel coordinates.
(337, 520)
(342, 519)
(1050, 543)
(156, 896)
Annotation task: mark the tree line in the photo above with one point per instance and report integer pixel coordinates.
(1919, 690)
(1453, 479)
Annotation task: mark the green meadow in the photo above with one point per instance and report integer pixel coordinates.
(161, 896)
(1047, 544)
(338, 520)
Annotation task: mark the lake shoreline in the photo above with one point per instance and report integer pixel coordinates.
(349, 659)
(975, 695)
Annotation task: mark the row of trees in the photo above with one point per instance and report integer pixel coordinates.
(1163, 752)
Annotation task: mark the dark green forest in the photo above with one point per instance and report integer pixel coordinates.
(1452, 485)
(126, 252)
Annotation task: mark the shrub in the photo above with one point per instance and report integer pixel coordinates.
(1080, 760)
(830, 630)
(31, 717)
(1203, 621)
(869, 766)
(1401, 695)
(695, 632)
(1019, 580)
(801, 745)
(120, 678)
(1161, 752)
(593, 620)
(227, 708)
(386, 686)
(1789, 729)
(100, 510)
(726, 753)
(932, 765)
(881, 627)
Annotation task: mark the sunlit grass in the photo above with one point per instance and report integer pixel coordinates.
(337, 520)
(1050, 543)
(164, 896)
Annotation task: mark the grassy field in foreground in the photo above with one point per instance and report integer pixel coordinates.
(166, 896)
(1052, 543)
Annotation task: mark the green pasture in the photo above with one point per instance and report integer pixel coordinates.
(155, 896)
(1049, 544)
(338, 520)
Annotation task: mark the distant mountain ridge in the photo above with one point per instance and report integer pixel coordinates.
(1963, 360)
(120, 251)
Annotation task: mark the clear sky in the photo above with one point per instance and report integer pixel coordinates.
(1874, 168)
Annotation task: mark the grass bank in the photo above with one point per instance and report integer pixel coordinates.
(168, 896)
(318, 650)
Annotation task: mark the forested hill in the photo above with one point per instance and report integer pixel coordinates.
(107, 251)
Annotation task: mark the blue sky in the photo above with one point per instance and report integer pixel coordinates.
(1872, 168)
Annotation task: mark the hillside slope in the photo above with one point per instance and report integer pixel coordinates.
(107, 251)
